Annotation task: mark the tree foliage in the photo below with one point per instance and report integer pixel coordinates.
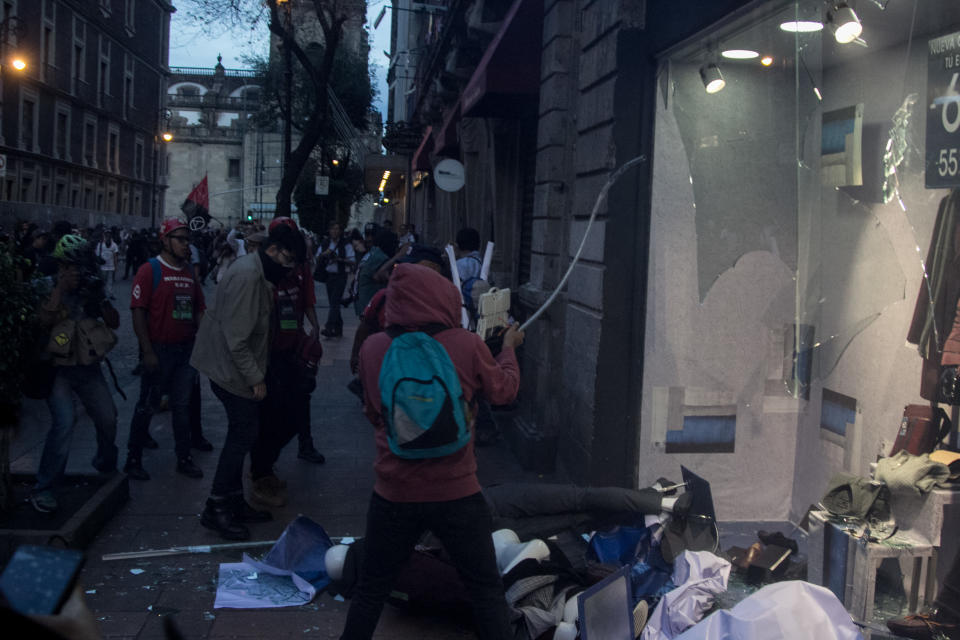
(314, 66)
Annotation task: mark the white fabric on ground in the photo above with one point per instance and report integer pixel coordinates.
(700, 575)
(791, 610)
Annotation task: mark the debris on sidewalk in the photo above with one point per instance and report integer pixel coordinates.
(289, 575)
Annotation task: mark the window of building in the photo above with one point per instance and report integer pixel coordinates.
(103, 77)
(233, 168)
(138, 158)
(9, 10)
(128, 92)
(48, 40)
(113, 148)
(90, 142)
(799, 188)
(106, 6)
(59, 193)
(61, 132)
(28, 121)
(129, 15)
(79, 65)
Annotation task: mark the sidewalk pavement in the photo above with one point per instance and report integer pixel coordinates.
(164, 511)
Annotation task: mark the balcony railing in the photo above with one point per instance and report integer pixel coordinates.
(213, 100)
(208, 71)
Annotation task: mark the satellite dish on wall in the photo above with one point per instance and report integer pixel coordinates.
(448, 174)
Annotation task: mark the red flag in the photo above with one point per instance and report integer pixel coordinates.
(197, 206)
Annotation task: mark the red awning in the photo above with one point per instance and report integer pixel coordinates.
(446, 141)
(421, 157)
(506, 83)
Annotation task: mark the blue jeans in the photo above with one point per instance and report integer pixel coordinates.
(393, 529)
(175, 376)
(242, 427)
(88, 384)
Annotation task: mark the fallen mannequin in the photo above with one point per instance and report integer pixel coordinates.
(540, 552)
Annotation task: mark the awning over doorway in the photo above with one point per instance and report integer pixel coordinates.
(421, 157)
(447, 140)
(506, 83)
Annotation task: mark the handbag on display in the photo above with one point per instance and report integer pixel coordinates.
(921, 429)
(948, 387)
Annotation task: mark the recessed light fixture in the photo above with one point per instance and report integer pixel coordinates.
(844, 23)
(766, 61)
(740, 54)
(801, 26)
(712, 78)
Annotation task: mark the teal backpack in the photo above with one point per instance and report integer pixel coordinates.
(423, 403)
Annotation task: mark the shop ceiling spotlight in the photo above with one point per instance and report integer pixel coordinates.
(844, 23)
(739, 54)
(801, 26)
(712, 78)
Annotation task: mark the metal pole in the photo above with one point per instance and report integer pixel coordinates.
(288, 81)
(153, 186)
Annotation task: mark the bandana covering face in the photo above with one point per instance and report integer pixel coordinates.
(273, 271)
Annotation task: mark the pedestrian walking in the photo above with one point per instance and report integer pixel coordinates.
(232, 349)
(335, 261)
(167, 304)
(108, 252)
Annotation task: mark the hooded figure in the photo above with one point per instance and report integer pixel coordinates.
(438, 494)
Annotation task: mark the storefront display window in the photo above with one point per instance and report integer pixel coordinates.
(803, 156)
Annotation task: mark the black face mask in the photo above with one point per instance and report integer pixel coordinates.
(273, 271)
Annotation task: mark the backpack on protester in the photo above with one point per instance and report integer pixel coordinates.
(423, 404)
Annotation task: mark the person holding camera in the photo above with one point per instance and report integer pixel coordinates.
(81, 322)
(334, 263)
(167, 303)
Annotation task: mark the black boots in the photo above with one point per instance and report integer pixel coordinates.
(219, 515)
(227, 515)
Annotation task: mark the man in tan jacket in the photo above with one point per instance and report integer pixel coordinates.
(231, 349)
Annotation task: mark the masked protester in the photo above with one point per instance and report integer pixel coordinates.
(232, 349)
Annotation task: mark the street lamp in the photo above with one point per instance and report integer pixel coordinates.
(12, 31)
(163, 124)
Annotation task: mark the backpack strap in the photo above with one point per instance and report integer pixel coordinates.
(945, 425)
(155, 267)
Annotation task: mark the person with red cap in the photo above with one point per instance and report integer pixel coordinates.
(286, 410)
(167, 304)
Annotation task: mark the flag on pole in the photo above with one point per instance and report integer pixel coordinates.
(197, 206)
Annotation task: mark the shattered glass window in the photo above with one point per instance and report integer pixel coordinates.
(801, 240)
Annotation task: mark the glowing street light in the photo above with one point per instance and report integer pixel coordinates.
(167, 136)
(19, 64)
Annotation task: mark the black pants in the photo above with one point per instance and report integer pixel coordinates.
(463, 526)
(542, 510)
(283, 414)
(175, 376)
(336, 283)
(949, 596)
(243, 419)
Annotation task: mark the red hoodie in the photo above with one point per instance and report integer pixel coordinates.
(418, 296)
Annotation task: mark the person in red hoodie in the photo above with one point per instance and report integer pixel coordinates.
(441, 495)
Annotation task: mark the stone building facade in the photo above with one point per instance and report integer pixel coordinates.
(210, 110)
(540, 123)
(80, 122)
